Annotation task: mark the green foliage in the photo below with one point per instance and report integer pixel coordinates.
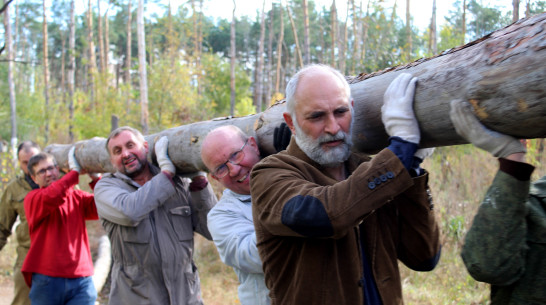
(216, 84)
(172, 98)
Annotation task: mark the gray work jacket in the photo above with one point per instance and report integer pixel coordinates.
(151, 231)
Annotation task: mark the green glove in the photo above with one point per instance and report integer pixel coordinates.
(468, 127)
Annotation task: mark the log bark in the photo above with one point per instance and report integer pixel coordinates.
(503, 75)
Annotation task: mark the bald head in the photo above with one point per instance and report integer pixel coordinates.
(228, 147)
(218, 138)
(312, 73)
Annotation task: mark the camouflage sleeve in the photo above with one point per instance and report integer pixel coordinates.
(8, 215)
(495, 246)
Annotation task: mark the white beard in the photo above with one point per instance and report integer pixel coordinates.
(333, 156)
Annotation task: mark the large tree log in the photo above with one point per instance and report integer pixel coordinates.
(503, 75)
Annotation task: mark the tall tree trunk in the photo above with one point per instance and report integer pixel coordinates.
(101, 39)
(106, 37)
(92, 66)
(515, 11)
(356, 38)
(343, 47)
(268, 74)
(433, 47)
(365, 27)
(199, 47)
(333, 23)
(409, 33)
(528, 9)
(71, 69)
(502, 75)
(258, 91)
(306, 36)
(46, 72)
(62, 89)
(464, 22)
(11, 84)
(280, 41)
(128, 56)
(296, 40)
(142, 68)
(232, 55)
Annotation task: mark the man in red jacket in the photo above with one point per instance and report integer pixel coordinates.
(58, 267)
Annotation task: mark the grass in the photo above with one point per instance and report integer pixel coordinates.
(459, 178)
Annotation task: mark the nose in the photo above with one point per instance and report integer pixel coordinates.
(124, 153)
(331, 125)
(233, 169)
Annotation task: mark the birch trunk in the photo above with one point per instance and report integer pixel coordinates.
(71, 69)
(11, 84)
(503, 75)
(142, 68)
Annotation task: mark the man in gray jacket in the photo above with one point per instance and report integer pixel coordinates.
(150, 214)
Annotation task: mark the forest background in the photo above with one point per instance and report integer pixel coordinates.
(64, 76)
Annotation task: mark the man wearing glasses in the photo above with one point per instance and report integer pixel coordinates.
(230, 154)
(58, 266)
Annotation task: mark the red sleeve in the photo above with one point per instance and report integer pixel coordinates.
(87, 202)
(41, 202)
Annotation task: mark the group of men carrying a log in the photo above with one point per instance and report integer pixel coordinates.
(315, 223)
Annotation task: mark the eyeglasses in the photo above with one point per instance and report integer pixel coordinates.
(236, 158)
(43, 171)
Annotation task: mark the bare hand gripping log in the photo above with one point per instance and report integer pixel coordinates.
(503, 76)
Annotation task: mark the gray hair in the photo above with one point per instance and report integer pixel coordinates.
(121, 129)
(293, 84)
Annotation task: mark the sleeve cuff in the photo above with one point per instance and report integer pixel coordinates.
(519, 170)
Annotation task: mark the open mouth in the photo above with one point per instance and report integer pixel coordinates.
(243, 178)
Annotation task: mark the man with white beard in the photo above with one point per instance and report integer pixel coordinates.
(331, 224)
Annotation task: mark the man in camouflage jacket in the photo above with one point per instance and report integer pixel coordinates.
(11, 206)
(506, 245)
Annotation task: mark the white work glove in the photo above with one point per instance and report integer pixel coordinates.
(424, 153)
(163, 160)
(468, 127)
(397, 110)
(73, 164)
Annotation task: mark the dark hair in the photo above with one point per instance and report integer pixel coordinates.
(27, 145)
(121, 129)
(37, 159)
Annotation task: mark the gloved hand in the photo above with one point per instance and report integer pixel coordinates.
(161, 147)
(73, 164)
(397, 110)
(281, 137)
(424, 153)
(468, 127)
(420, 156)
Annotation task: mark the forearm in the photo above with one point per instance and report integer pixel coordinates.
(495, 246)
(287, 203)
(126, 205)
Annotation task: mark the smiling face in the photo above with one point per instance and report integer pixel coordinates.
(322, 117)
(219, 146)
(128, 154)
(45, 172)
